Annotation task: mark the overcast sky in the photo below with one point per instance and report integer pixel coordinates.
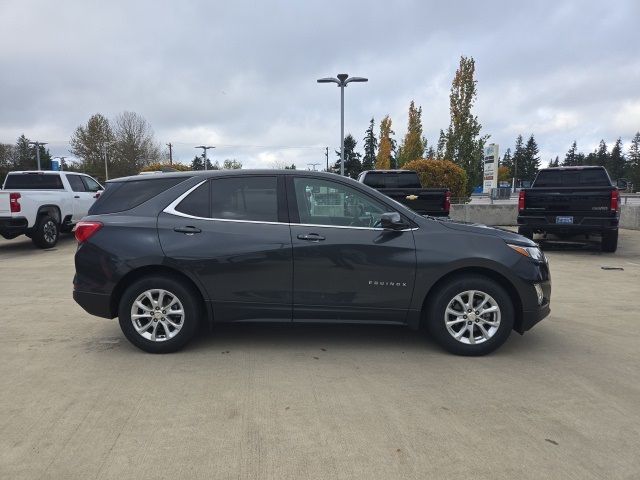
(242, 75)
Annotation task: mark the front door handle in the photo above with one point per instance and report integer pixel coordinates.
(313, 237)
(189, 230)
(76, 196)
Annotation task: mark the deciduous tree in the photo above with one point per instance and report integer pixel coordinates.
(413, 146)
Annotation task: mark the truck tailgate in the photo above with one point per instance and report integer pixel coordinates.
(422, 201)
(554, 200)
(5, 209)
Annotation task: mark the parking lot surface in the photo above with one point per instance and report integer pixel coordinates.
(317, 402)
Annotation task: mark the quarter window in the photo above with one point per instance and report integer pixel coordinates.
(90, 184)
(245, 198)
(197, 202)
(322, 202)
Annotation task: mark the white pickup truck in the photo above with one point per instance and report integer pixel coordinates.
(41, 204)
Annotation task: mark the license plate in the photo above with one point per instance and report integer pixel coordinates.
(564, 220)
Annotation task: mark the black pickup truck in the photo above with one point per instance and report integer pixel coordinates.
(404, 186)
(568, 201)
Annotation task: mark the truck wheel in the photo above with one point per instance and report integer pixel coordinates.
(46, 232)
(525, 232)
(610, 241)
(470, 315)
(159, 314)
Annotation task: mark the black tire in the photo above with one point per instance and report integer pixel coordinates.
(609, 241)
(46, 232)
(525, 232)
(435, 315)
(189, 323)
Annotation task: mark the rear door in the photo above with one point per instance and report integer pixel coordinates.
(82, 199)
(345, 267)
(232, 233)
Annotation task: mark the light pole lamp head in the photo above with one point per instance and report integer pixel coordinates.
(357, 79)
(328, 80)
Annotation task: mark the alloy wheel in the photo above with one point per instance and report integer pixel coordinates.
(157, 315)
(472, 317)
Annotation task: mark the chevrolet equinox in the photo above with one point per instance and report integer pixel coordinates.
(165, 252)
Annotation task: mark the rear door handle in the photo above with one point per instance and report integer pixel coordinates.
(313, 237)
(189, 230)
(76, 196)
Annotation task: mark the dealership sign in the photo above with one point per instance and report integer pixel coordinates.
(490, 168)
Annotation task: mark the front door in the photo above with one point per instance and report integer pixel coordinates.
(82, 198)
(346, 268)
(231, 233)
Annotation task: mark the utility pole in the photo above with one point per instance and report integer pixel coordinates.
(37, 145)
(106, 170)
(204, 153)
(170, 153)
(326, 153)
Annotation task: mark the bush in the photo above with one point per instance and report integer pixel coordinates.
(440, 174)
(159, 166)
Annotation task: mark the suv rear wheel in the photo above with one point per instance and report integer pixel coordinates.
(470, 315)
(159, 314)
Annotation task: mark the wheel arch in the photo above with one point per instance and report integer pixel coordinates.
(484, 271)
(51, 210)
(149, 270)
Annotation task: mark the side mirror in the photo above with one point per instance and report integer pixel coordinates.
(622, 184)
(392, 221)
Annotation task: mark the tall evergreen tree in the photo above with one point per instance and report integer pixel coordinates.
(352, 163)
(464, 144)
(370, 147)
(571, 158)
(442, 144)
(431, 153)
(616, 165)
(554, 163)
(602, 154)
(385, 145)
(198, 164)
(507, 161)
(531, 162)
(633, 163)
(412, 147)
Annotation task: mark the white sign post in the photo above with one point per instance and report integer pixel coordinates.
(490, 167)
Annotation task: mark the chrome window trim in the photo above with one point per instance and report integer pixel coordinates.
(171, 210)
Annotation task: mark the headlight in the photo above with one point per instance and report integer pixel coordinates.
(532, 252)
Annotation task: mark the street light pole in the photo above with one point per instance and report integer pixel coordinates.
(37, 145)
(342, 81)
(204, 153)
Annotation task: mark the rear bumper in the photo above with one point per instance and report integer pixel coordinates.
(97, 304)
(582, 224)
(11, 227)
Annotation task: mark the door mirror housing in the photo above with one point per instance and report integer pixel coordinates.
(392, 221)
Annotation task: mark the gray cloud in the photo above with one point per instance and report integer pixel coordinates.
(241, 75)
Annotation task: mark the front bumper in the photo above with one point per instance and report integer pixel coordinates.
(532, 316)
(97, 304)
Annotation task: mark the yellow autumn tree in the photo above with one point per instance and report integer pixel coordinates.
(385, 145)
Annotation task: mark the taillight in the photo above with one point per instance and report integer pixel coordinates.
(85, 230)
(615, 200)
(14, 202)
(447, 202)
(521, 200)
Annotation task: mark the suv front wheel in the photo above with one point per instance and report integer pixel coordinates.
(159, 314)
(470, 315)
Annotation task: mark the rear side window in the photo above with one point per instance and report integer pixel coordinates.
(33, 181)
(76, 183)
(197, 202)
(90, 184)
(595, 177)
(121, 196)
(245, 198)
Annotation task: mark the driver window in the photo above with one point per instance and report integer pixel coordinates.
(322, 202)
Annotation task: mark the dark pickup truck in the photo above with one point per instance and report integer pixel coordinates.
(404, 186)
(568, 201)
